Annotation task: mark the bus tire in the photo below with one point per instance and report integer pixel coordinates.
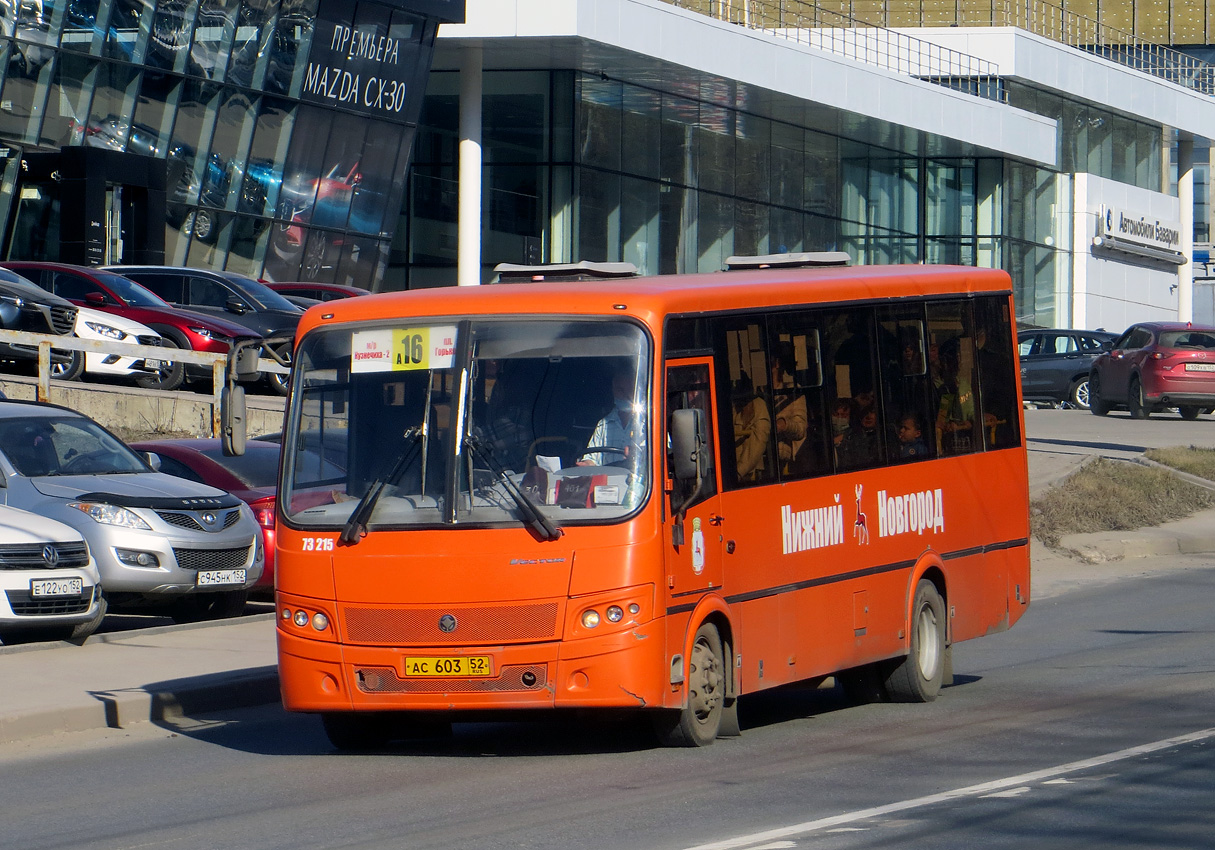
(917, 677)
(357, 730)
(698, 723)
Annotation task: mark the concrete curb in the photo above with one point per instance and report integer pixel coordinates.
(156, 702)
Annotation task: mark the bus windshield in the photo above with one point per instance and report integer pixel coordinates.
(485, 422)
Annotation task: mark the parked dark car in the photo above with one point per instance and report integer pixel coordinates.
(225, 295)
(1055, 364)
(26, 307)
(113, 293)
(1153, 366)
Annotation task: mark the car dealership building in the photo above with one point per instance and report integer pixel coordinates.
(274, 138)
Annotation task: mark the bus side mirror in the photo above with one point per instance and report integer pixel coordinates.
(232, 429)
(689, 444)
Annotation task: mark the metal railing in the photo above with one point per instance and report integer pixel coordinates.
(842, 34)
(902, 53)
(218, 362)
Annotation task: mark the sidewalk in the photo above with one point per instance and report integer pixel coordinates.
(121, 678)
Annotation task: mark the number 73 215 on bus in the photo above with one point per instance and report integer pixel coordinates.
(647, 494)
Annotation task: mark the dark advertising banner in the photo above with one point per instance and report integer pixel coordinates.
(365, 66)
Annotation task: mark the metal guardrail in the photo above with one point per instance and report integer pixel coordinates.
(838, 32)
(218, 362)
(895, 50)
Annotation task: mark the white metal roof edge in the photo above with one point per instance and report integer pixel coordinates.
(676, 37)
(1047, 64)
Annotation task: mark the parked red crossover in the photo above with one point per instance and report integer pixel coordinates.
(1153, 366)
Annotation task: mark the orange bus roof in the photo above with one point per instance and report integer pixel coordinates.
(652, 297)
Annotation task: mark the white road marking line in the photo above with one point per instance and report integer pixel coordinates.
(985, 788)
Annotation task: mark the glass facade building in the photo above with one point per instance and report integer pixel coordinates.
(268, 137)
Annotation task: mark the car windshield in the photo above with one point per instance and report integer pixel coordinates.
(262, 294)
(129, 291)
(64, 445)
(481, 422)
(258, 466)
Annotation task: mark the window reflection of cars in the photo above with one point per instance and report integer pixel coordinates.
(24, 306)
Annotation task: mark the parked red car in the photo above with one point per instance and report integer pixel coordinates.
(315, 291)
(1153, 366)
(251, 477)
(113, 293)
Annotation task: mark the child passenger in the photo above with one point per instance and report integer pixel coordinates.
(911, 437)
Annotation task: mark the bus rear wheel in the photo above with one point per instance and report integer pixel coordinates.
(918, 677)
(698, 723)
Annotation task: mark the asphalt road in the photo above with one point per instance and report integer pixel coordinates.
(1087, 725)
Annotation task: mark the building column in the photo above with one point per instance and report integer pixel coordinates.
(1185, 196)
(468, 258)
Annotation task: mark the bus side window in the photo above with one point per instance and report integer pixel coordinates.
(952, 369)
(906, 397)
(997, 381)
(747, 427)
(688, 389)
(855, 416)
(797, 397)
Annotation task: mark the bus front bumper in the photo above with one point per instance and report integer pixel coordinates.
(626, 670)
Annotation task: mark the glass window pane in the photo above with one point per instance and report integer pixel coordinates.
(196, 114)
(263, 174)
(172, 29)
(68, 104)
(250, 49)
(715, 136)
(221, 186)
(289, 47)
(130, 26)
(113, 101)
(642, 131)
(753, 152)
(599, 122)
(214, 32)
(515, 112)
(81, 30)
(247, 252)
(26, 87)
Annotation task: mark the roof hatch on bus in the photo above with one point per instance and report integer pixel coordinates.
(551, 272)
(804, 259)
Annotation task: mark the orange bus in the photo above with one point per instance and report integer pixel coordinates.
(647, 493)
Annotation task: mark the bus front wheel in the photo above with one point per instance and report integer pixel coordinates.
(698, 723)
(918, 677)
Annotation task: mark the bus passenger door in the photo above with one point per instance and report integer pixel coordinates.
(694, 521)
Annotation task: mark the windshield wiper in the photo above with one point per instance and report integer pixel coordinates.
(356, 526)
(544, 527)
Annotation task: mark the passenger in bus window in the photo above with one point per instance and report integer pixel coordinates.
(789, 405)
(752, 428)
(956, 410)
(863, 444)
(841, 422)
(621, 433)
(911, 437)
(507, 423)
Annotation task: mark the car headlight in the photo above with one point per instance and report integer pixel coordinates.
(13, 299)
(106, 330)
(212, 335)
(111, 515)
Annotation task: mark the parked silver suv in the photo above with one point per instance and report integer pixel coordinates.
(159, 541)
(49, 587)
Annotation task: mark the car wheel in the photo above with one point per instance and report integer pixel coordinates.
(1096, 406)
(169, 376)
(1188, 411)
(1079, 394)
(279, 381)
(70, 369)
(1134, 400)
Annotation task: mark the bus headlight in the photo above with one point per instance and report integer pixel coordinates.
(590, 618)
(615, 614)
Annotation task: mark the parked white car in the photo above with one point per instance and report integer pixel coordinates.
(49, 585)
(108, 327)
(159, 541)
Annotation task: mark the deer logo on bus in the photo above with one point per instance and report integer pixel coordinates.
(860, 526)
